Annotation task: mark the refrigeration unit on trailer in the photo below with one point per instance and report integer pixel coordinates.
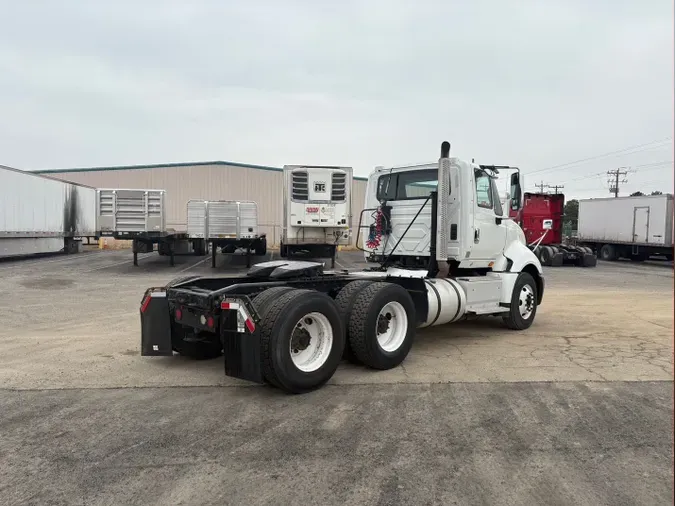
(140, 216)
(541, 218)
(445, 251)
(627, 227)
(39, 214)
(317, 210)
(228, 225)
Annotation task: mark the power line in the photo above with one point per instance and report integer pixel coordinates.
(582, 160)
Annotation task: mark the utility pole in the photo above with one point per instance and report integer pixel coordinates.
(614, 176)
(541, 186)
(555, 187)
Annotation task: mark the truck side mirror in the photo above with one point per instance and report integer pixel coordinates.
(515, 192)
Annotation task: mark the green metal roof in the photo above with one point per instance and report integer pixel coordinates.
(158, 165)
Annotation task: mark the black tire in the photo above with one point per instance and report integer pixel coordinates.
(545, 255)
(607, 252)
(262, 301)
(364, 320)
(261, 247)
(514, 320)
(276, 330)
(345, 302)
(197, 350)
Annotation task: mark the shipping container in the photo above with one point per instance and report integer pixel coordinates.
(40, 214)
(627, 227)
(124, 213)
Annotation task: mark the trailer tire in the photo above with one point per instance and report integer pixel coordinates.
(524, 294)
(366, 325)
(261, 247)
(608, 252)
(316, 314)
(345, 302)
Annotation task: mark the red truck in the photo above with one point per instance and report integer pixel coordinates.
(540, 215)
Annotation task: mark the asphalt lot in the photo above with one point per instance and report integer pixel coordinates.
(576, 410)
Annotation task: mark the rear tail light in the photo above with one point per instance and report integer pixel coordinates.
(210, 322)
(179, 314)
(145, 303)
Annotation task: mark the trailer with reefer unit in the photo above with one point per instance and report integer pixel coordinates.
(317, 210)
(452, 255)
(541, 218)
(226, 224)
(39, 214)
(140, 216)
(627, 227)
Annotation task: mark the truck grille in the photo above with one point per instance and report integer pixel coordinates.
(338, 186)
(300, 185)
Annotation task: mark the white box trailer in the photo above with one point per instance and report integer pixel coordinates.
(39, 214)
(317, 215)
(226, 224)
(627, 227)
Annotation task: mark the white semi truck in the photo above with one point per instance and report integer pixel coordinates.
(445, 252)
(317, 210)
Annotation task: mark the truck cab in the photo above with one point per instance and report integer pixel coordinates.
(473, 229)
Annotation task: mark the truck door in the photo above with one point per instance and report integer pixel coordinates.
(489, 231)
(641, 224)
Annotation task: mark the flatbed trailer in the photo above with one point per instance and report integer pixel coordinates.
(228, 225)
(290, 323)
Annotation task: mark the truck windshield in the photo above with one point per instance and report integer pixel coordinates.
(413, 184)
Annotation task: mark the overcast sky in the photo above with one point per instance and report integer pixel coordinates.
(533, 83)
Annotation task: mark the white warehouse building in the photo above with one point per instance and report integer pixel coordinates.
(205, 180)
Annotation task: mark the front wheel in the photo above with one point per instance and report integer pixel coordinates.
(523, 303)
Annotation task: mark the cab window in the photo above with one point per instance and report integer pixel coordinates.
(408, 185)
(483, 190)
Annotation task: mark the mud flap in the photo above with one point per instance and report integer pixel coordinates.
(155, 325)
(589, 260)
(242, 352)
(557, 260)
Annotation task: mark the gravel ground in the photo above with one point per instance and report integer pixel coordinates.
(576, 410)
